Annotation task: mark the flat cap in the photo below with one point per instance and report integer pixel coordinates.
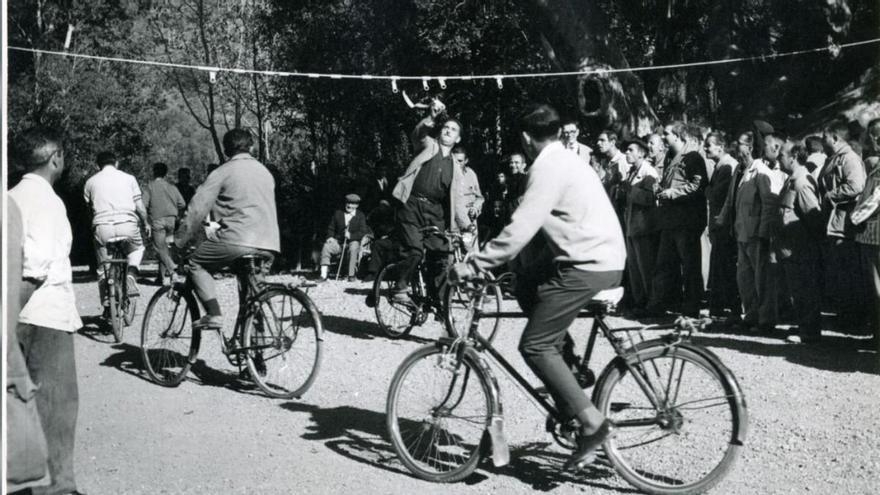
(352, 198)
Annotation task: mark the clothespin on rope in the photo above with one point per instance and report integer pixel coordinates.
(212, 76)
(425, 83)
(394, 86)
(69, 37)
(442, 82)
(498, 80)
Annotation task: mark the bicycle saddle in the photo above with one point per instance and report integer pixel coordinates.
(605, 300)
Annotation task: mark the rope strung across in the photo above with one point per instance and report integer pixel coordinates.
(442, 79)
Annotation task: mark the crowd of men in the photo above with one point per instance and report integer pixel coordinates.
(794, 227)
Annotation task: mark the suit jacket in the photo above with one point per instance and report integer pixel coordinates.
(684, 176)
(719, 186)
(751, 204)
(638, 192)
(357, 229)
(840, 182)
(430, 147)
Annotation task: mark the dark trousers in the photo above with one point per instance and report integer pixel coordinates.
(382, 252)
(802, 273)
(51, 362)
(756, 276)
(415, 215)
(211, 256)
(845, 282)
(678, 255)
(163, 228)
(641, 255)
(551, 305)
(723, 293)
(870, 257)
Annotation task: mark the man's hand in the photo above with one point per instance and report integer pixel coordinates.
(437, 107)
(460, 273)
(664, 194)
(148, 230)
(211, 229)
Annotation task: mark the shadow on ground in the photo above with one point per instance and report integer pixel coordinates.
(361, 329)
(361, 435)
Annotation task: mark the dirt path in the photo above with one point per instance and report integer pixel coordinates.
(815, 418)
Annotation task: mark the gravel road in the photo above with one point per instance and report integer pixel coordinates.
(814, 416)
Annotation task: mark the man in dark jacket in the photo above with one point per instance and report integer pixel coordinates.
(681, 218)
(723, 293)
(347, 228)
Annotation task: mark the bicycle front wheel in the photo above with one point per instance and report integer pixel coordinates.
(438, 410)
(684, 440)
(395, 319)
(282, 337)
(168, 343)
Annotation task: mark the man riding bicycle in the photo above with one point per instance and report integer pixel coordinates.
(431, 195)
(115, 200)
(565, 244)
(240, 196)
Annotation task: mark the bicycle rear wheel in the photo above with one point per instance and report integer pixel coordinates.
(116, 288)
(168, 343)
(437, 414)
(459, 312)
(283, 341)
(689, 442)
(395, 319)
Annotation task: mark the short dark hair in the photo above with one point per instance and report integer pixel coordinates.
(159, 169)
(814, 144)
(237, 141)
(35, 146)
(718, 137)
(873, 123)
(459, 149)
(611, 135)
(105, 158)
(183, 171)
(838, 128)
(540, 121)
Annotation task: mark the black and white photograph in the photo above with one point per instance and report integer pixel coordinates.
(441, 246)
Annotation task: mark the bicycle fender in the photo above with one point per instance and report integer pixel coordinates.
(623, 362)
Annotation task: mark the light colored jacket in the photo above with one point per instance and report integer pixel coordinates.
(840, 182)
(566, 205)
(429, 147)
(641, 199)
(755, 209)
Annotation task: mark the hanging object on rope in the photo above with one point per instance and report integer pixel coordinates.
(442, 82)
(410, 103)
(69, 37)
(212, 76)
(499, 82)
(394, 86)
(425, 83)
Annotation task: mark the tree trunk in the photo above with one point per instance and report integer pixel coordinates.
(576, 37)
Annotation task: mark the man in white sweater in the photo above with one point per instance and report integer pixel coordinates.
(565, 243)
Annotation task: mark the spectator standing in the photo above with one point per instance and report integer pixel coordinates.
(613, 163)
(798, 242)
(656, 152)
(186, 189)
(347, 228)
(723, 294)
(752, 206)
(840, 183)
(570, 133)
(378, 190)
(382, 248)
(472, 197)
(638, 192)
(164, 203)
(48, 318)
(516, 181)
(115, 199)
(866, 218)
(241, 193)
(816, 157)
(681, 218)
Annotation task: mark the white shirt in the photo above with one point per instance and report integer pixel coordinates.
(112, 194)
(619, 161)
(348, 216)
(47, 240)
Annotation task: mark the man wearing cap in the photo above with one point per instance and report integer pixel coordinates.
(347, 228)
(637, 193)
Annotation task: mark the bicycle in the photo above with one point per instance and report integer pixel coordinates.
(397, 319)
(676, 432)
(121, 305)
(277, 335)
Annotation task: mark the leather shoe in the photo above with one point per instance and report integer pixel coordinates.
(208, 322)
(587, 445)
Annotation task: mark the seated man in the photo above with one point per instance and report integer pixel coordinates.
(567, 245)
(240, 195)
(346, 228)
(115, 200)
